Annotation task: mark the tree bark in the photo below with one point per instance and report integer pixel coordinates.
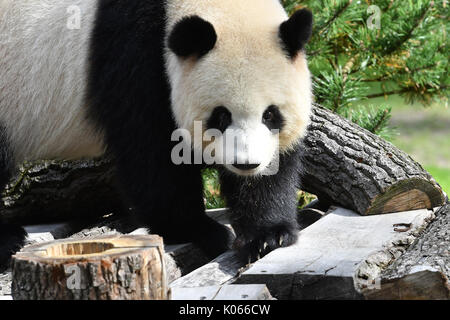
(345, 164)
(422, 271)
(107, 268)
(49, 191)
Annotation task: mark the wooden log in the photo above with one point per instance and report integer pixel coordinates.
(343, 164)
(53, 191)
(57, 230)
(328, 254)
(348, 166)
(421, 272)
(107, 268)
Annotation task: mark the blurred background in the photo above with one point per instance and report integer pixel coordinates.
(384, 65)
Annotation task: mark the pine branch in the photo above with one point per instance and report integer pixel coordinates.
(399, 73)
(381, 121)
(345, 56)
(408, 35)
(399, 91)
(335, 16)
(389, 93)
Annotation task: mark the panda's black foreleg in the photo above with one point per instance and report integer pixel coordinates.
(168, 199)
(12, 237)
(264, 209)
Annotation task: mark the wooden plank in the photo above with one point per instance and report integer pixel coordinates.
(34, 238)
(322, 264)
(204, 293)
(244, 292)
(421, 272)
(183, 259)
(227, 292)
(46, 232)
(44, 228)
(226, 267)
(218, 272)
(220, 215)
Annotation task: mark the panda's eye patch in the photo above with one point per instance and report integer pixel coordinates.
(272, 118)
(220, 119)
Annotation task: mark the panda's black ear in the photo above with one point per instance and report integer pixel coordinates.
(192, 36)
(296, 32)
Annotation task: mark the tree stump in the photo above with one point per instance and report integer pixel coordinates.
(106, 268)
(347, 165)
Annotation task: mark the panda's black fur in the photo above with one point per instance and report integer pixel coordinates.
(263, 210)
(138, 124)
(11, 236)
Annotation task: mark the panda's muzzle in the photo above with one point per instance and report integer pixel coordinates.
(246, 167)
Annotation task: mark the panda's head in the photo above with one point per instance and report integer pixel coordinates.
(245, 75)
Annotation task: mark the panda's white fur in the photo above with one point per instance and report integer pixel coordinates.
(42, 104)
(246, 72)
(57, 88)
(43, 79)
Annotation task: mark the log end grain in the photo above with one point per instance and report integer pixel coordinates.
(106, 268)
(407, 195)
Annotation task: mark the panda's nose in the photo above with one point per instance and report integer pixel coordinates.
(246, 167)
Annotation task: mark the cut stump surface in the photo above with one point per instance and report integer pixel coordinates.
(106, 268)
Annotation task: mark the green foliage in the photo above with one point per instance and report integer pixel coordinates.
(424, 134)
(352, 62)
(211, 189)
(373, 119)
(442, 176)
(304, 198)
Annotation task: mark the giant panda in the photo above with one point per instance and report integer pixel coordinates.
(134, 72)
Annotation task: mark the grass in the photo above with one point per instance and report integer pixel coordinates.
(442, 175)
(423, 133)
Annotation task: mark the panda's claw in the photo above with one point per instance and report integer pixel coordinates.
(256, 247)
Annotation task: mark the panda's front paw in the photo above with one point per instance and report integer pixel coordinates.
(255, 245)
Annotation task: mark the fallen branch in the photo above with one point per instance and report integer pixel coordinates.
(346, 165)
